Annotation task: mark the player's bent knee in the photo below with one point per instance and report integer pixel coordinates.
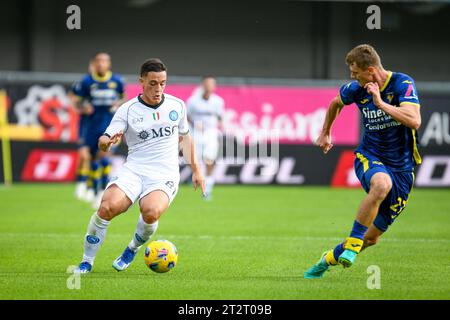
(104, 211)
(108, 210)
(380, 187)
(151, 218)
(151, 214)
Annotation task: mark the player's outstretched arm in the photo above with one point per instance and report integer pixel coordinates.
(188, 150)
(324, 140)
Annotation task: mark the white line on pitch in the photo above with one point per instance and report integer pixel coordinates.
(209, 237)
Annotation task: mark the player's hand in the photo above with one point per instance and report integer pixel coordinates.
(115, 139)
(87, 109)
(324, 142)
(374, 90)
(198, 181)
(105, 142)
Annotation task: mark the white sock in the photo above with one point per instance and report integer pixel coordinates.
(143, 232)
(209, 184)
(95, 235)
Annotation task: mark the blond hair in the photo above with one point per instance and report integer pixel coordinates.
(363, 56)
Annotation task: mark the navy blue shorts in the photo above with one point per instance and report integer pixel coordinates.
(366, 165)
(82, 129)
(94, 131)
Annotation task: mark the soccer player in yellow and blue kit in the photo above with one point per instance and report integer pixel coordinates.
(386, 156)
(84, 157)
(103, 90)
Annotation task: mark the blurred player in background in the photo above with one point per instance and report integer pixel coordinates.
(84, 157)
(205, 111)
(154, 125)
(387, 155)
(99, 94)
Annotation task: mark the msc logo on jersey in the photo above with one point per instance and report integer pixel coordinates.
(173, 115)
(157, 133)
(143, 135)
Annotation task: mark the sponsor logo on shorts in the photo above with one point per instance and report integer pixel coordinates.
(170, 184)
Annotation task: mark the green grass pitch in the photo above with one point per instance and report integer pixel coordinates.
(249, 243)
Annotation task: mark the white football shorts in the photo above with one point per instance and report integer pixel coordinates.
(207, 145)
(137, 186)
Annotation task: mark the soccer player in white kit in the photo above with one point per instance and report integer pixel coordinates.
(205, 111)
(154, 125)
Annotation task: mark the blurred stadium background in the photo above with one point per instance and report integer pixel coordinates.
(278, 63)
(294, 48)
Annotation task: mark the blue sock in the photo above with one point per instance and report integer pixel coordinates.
(82, 175)
(95, 175)
(106, 169)
(358, 231)
(338, 251)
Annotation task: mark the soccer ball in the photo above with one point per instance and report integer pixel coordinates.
(160, 256)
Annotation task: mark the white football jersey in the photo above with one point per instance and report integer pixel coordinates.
(151, 133)
(203, 113)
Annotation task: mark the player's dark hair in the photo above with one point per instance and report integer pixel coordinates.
(208, 76)
(363, 56)
(99, 53)
(152, 65)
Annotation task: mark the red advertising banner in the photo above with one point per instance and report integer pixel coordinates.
(50, 166)
(295, 113)
(344, 174)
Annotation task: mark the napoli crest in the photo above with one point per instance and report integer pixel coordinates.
(173, 115)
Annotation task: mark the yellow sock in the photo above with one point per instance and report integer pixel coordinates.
(353, 244)
(329, 258)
